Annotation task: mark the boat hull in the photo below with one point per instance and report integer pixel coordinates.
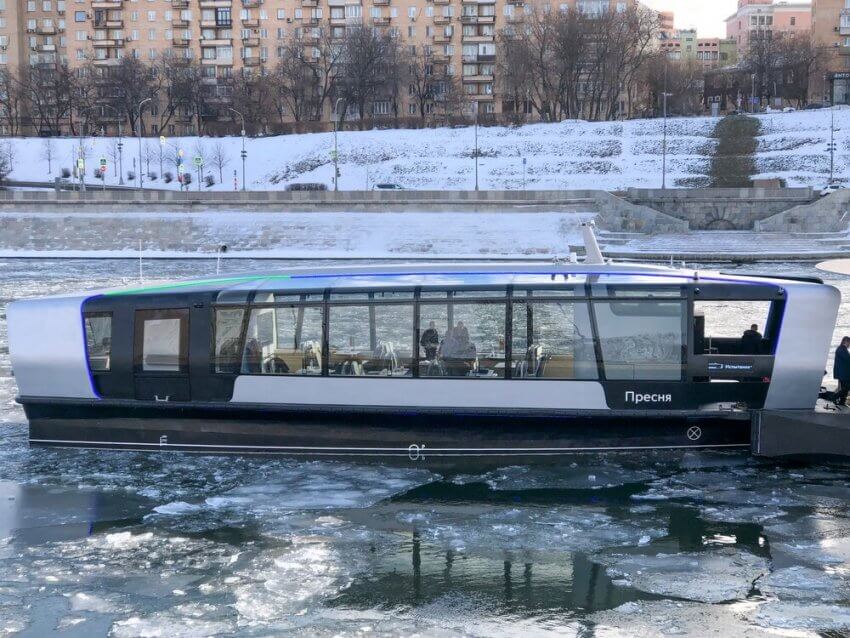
(413, 434)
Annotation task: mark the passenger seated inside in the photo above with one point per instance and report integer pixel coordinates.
(430, 341)
(751, 341)
(457, 352)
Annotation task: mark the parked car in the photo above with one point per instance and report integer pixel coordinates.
(829, 189)
(814, 106)
(307, 186)
(388, 187)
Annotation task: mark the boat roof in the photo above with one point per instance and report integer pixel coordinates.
(437, 275)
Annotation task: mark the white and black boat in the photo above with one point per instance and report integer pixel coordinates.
(499, 360)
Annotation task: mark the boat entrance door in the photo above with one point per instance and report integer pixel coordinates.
(161, 355)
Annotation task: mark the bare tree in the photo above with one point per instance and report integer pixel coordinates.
(112, 154)
(48, 153)
(12, 101)
(219, 158)
(421, 79)
(365, 57)
(127, 84)
(325, 60)
(801, 60)
(294, 83)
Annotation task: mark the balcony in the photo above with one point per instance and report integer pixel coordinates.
(253, 60)
(251, 42)
(442, 19)
(180, 43)
(107, 43)
(251, 23)
(844, 29)
(478, 78)
(101, 4)
(114, 24)
(216, 42)
(442, 1)
(180, 23)
(217, 61)
(440, 58)
(107, 62)
(251, 4)
(379, 3)
(215, 4)
(46, 30)
(45, 48)
(382, 21)
(179, 4)
(441, 38)
(477, 38)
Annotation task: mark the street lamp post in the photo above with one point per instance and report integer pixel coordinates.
(139, 110)
(753, 95)
(244, 153)
(336, 152)
(476, 146)
(831, 142)
(81, 169)
(664, 136)
(120, 146)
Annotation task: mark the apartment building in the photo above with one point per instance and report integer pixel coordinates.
(711, 53)
(766, 17)
(831, 32)
(230, 37)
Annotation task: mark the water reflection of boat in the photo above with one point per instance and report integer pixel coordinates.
(520, 360)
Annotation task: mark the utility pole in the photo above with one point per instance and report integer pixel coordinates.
(244, 153)
(139, 123)
(476, 145)
(831, 142)
(336, 148)
(664, 135)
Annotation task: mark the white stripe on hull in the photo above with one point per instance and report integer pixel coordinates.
(536, 394)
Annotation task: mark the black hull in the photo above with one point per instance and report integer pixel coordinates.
(406, 434)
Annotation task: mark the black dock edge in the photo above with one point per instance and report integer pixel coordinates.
(801, 434)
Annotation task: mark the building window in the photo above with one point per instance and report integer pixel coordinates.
(79, 16)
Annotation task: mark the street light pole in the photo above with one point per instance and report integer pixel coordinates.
(336, 152)
(664, 138)
(244, 153)
(139, 130)
(753, 95)
(831, 142)
(81, 170)
(476, 145)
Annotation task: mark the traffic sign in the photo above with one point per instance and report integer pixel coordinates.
(103, 161)
(198, 160)
(81, 163)
(181, 169)
(162, 139)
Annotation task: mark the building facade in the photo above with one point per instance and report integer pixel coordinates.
(243, 37)
(831, 33)
(711, 53)
(766, 17)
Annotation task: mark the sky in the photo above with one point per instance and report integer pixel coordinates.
(706, 16)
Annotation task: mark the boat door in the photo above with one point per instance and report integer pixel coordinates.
(161, 355)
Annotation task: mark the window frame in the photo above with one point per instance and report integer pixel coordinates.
(86, 317)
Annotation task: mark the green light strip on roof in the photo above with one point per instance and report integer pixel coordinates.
(192, 284)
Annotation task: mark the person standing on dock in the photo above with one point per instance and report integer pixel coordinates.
(841, 371)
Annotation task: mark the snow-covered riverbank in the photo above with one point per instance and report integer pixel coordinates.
(573, 154)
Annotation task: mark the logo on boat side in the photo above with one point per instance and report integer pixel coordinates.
(638, 398)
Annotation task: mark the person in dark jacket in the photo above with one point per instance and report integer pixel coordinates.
(751, 340)
(430, 341)
(841, 371)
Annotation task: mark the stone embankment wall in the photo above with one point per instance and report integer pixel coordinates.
(721, 208)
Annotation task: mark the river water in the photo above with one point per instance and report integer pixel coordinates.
(101, 543)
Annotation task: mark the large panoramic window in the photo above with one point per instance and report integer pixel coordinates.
(641, 339)
(552, 339)
(228, 333)
(371, 340)
(460, 338)
(99, 341)
(726, 327)
(284, 340)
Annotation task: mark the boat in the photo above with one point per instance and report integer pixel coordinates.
(423, 360)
